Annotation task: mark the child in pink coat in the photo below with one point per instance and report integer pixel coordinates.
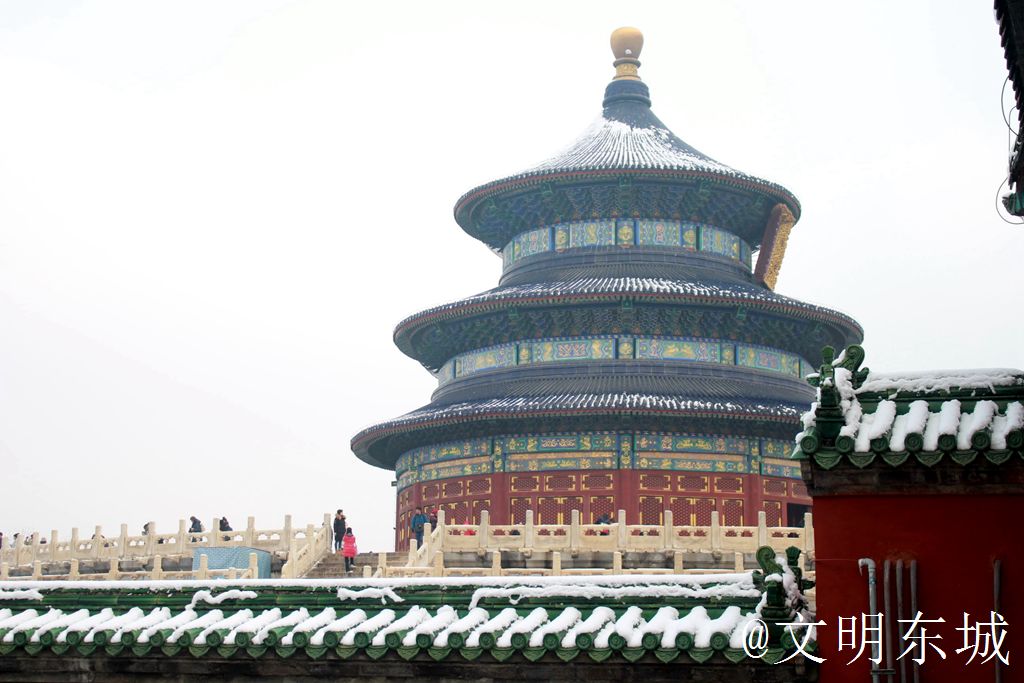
(348, 549)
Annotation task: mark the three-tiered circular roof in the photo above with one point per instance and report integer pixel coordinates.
(627, 162)
(627, 165)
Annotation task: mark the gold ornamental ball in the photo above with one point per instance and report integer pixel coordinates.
(627, 42)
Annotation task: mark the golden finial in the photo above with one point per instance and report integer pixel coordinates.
(626, 45)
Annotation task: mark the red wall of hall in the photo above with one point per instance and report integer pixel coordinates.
(643, 494)
(954, 540)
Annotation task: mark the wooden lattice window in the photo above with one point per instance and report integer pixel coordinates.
(728, 485)
(598, 482)
(601, 505)
(518, 508)
(692, 482)
(732, 512)
(431, 491)
(453, 488)
(479, 486)
(479, 506)
(772, 512)
(560, 482)
(655, 482)
(774, 487)
(799, 489)
(525, 483)
(652, 509)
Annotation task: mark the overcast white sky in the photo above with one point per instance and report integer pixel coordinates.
(212, 214)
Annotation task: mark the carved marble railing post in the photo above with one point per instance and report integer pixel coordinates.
(528, 532)
(74, 542)
(286, 535)
(762, 528)
(424, 557)
(54, 541)
(204, 567)
(484, 529)
(97, 542)
(215, 532)
(413, 548)
(73, 570)
(5, 571)
(668, 533)
(622, 536)
(182, 536)
(250, 532)
(574, 532)
(122, 542)
(556, 562)
(114, 566)
(716, 532)
(150, 539)
(158, 567)
(37, 570)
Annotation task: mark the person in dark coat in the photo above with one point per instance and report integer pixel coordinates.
(416, 524)
(225, 526)
(349, 549)
(432, 516)
(339, 530)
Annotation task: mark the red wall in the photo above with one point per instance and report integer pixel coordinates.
(954, 540)
(643, 494)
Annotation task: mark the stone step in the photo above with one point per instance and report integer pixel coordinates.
(333, 565)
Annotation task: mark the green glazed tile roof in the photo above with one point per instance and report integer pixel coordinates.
(702, 616)
(861, 415)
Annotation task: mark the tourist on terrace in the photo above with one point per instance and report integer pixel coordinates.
(416, 523)
(339, 529)
(349, 550)
(197, 526)
(225, 526)
(432, 514)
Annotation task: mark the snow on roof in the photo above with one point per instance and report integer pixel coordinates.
(609, 143)
(951, 417)
(731, 291)
(931, 381)
(234, 622)
(614, 402)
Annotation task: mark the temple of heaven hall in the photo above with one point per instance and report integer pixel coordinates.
(632, 357)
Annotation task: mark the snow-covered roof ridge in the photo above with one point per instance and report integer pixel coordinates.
(575, 614)
(935, 381)
(861, 414)
(711, 291)
(611, 143)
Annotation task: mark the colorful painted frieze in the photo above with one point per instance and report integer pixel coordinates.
(494, 357)
(467, 466)
(540, 462)
(530, 243)
(625, 232)
(573, 349)
(625, 347)
(677, 443)
(767, 359)
(720, 242)
(445, 451)
(776, 448)
(659, 233)
(557, 442)
(671, 349)
(598, 233)
(772, 467)
(691, 462)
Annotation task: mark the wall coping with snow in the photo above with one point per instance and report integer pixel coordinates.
(559, 618)
(958, 419)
